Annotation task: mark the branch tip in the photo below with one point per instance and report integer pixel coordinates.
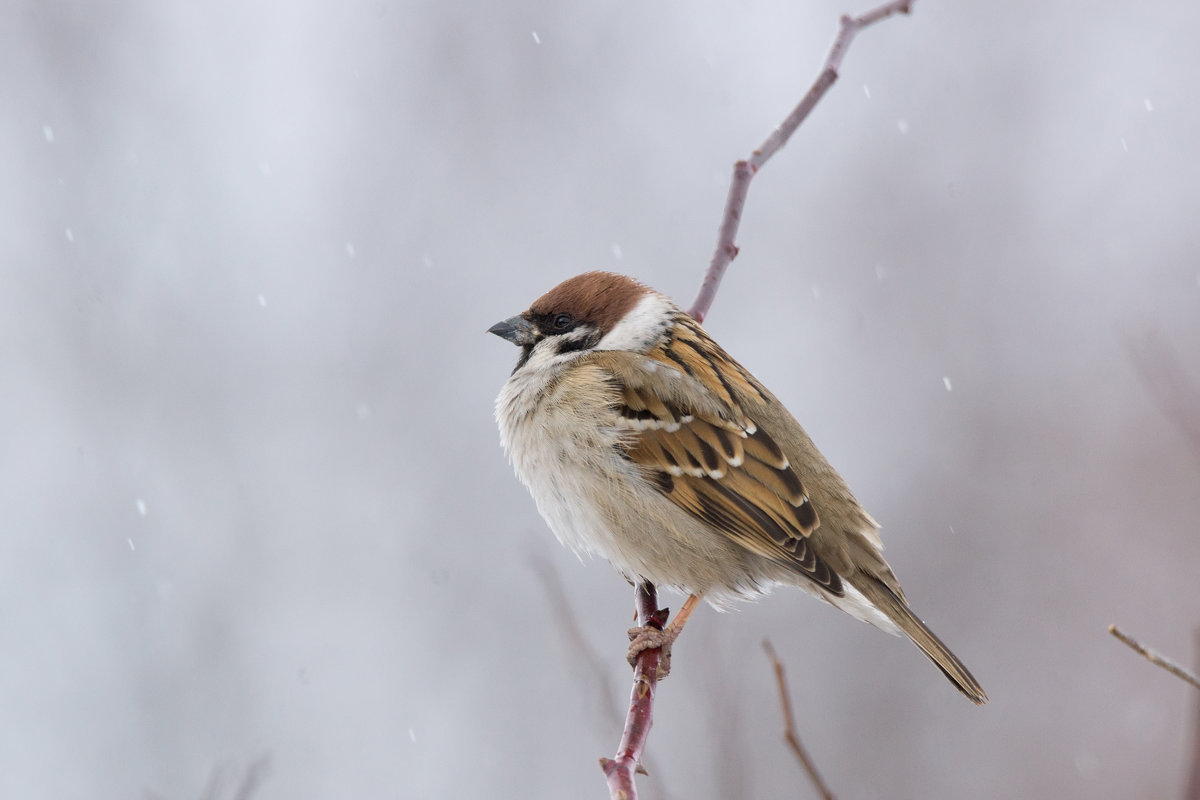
(1155, 657)
(744, 170)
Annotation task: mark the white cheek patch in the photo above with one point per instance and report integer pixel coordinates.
(642, 327)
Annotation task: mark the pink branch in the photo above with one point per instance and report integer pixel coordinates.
(620, 770)
(744, 171)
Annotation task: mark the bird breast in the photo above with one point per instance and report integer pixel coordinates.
(566, 446)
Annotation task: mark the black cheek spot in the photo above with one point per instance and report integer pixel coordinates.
(582, 343)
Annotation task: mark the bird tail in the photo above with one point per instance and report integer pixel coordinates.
(897, 610)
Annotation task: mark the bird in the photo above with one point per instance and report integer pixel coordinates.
(643, 442)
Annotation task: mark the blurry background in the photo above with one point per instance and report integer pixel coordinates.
(252, 501)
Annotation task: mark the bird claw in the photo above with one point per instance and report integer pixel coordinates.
(649, 637)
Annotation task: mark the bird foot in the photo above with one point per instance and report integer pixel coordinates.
(649, 637)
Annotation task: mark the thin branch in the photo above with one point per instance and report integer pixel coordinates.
(789, 725)
(1156, 658)
(744, 171)
(620, 769)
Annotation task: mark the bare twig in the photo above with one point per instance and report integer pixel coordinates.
(1156, 658)
(744, 171)
(789, 725)
(620, 769)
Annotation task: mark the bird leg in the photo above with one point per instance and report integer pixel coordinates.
(648, 637)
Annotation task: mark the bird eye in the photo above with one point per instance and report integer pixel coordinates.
(562, 322)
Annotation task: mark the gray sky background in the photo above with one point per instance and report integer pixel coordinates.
(253, 503)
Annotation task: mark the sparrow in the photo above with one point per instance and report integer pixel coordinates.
(644, 442)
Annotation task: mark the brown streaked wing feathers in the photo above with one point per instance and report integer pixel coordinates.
(716, 464)
(702, 357)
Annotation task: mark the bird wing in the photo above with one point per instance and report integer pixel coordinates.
(705, 452)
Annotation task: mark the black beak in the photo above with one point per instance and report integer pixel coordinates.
(517, 330)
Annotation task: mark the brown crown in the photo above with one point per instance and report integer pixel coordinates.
(601, 298)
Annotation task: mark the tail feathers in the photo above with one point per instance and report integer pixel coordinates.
(898, 612)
